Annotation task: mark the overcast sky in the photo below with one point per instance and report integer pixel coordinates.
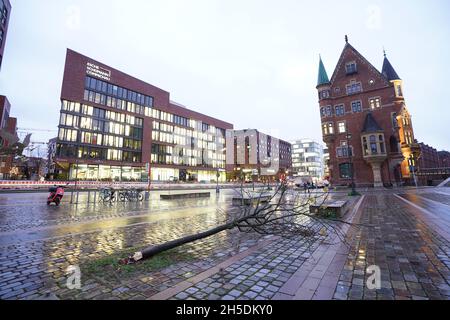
(249, 62)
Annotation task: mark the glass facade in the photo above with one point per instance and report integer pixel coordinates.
(107, 173)
(91, 133)
(107, 128)
(196, 145)
(307, 159)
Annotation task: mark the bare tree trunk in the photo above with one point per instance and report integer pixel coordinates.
(150, 252)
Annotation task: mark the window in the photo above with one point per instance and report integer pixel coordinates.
(356, 106)
(374, 103)
(68, 135)
(381, 141)
(408, 137)
(365, 147)
(399, 91)
(4, 14)
(324, 94)
(342, 128)
(354, 87)
(88, 110)
(394, 120)
(98, 125)
(345, 170)
(86, 123)
(328, 111)
(70, 106)
(68, 120)
(339, 110)
(99, 113)
(344, 151)
(373, 144)
(330, 128)
(350, 68)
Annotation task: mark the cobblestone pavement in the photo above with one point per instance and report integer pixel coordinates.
(36, 269)
(414, 259)
(258, 276)
(34, 255)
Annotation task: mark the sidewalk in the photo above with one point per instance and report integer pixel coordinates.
(413, 258)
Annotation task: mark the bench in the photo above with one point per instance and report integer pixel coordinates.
(248, 199)
(330, 209)
(185, 195)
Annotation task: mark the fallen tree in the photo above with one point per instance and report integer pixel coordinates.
(282, 212)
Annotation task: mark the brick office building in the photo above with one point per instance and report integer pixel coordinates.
(253, 155)
(365, 122)
(444, 159)
(5, 11)
(113, 126)
(7, 124)
(429, 157)
(8, 137)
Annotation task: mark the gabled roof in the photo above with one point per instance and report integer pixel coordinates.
(323, 76)
(389, 71)
(370, 125)
(342, 60)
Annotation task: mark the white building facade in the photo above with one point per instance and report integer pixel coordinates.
(308, 160)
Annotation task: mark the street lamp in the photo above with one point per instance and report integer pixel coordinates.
(350, 156)
(218, 174)
(217, 181)
(76, 169)
(412, 168)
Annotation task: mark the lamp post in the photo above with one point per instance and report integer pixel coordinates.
(217, 181)
(412, 168)
(218, 174)
(350, 156)
(76, 167)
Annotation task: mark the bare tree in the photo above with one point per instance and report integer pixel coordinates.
(282, 212)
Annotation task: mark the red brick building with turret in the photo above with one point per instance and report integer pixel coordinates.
(365, 123)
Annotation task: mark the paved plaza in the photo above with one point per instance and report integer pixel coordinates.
(405, 232)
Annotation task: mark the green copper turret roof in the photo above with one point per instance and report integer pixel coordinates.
(323, 76)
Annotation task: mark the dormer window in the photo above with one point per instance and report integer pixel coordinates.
(350, 68)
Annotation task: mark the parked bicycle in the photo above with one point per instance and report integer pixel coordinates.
(108, 194)
(131, 195)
